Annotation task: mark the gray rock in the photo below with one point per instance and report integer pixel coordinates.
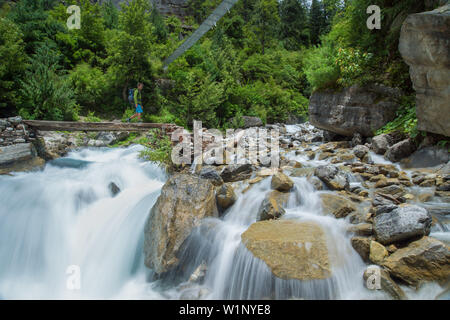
(272, 206)
(15, 120)
(386, 283)
(360, 151)
(332, 177)
(236, 172)
(353, 110)
(428, 157)
(184, 201)
(114, 189)
(381, 143)
(249, 122)
(403, 223)
(211, 174)
(16, 152)
(425, 48)
(357, 139)
(400, 150)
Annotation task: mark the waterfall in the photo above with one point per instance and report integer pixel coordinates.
(66, 215)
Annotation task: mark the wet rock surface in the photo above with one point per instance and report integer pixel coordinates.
(184, 201)
(292, 250)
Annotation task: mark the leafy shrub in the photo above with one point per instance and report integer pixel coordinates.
(352, 63)
(405, 120)
(47, 94)
(91, 117)
(320, 67)
(159, 148)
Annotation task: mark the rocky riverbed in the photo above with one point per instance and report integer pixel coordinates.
(395, 218)
(329, 206)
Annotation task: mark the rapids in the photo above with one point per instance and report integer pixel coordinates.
(66, 215)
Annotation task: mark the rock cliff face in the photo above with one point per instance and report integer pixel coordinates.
(353, 110)
(425, 47)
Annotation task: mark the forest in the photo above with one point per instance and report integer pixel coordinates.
(264, 58)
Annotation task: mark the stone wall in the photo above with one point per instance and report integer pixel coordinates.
(425, 47)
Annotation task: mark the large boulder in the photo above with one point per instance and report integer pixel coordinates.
(332, 177)
(15, 153)
(184, 201)
(353, 110)
(236, 172)
(272, 206)
(403, 223)
(381, 143)
(337, 205)
(291, 249)
(400, 150)
(426, 259)
(281, 182)
(251, 122)
(425, 47)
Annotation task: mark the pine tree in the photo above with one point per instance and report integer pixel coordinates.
(316, 18)
(265, 21)
(294, 23)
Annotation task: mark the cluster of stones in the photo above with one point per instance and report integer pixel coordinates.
(390, 221)
(13, 131)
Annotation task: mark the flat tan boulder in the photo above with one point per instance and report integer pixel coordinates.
(426, 259)
(291, 249)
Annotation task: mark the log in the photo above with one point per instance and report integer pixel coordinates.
(95, 126)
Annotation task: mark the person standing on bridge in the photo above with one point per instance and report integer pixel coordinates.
(137, 102)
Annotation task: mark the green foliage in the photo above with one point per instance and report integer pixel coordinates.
(352, 65)
(320, 66)
(265, 22)
(91, 117)
(14, 63)
(405, 120)
(294, 23)
(159, 148)
(46, 91)
(90, 85)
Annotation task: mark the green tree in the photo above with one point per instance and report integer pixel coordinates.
(265, 21)
(110, 14)
(33, 20)
(14, 62)
(317, 22)
(129, 47)
(294, 24)
(46, 92)
(159, 27)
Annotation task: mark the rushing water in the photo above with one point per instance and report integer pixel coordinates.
(66, 215)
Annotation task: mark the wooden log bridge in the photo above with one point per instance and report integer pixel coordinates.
(42, 125)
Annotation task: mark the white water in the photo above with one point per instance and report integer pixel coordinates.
(66, 216)
(59, 217)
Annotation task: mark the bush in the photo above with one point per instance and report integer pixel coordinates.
(405, 120)
(159, 148)
(320, 67)
(46, 92)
